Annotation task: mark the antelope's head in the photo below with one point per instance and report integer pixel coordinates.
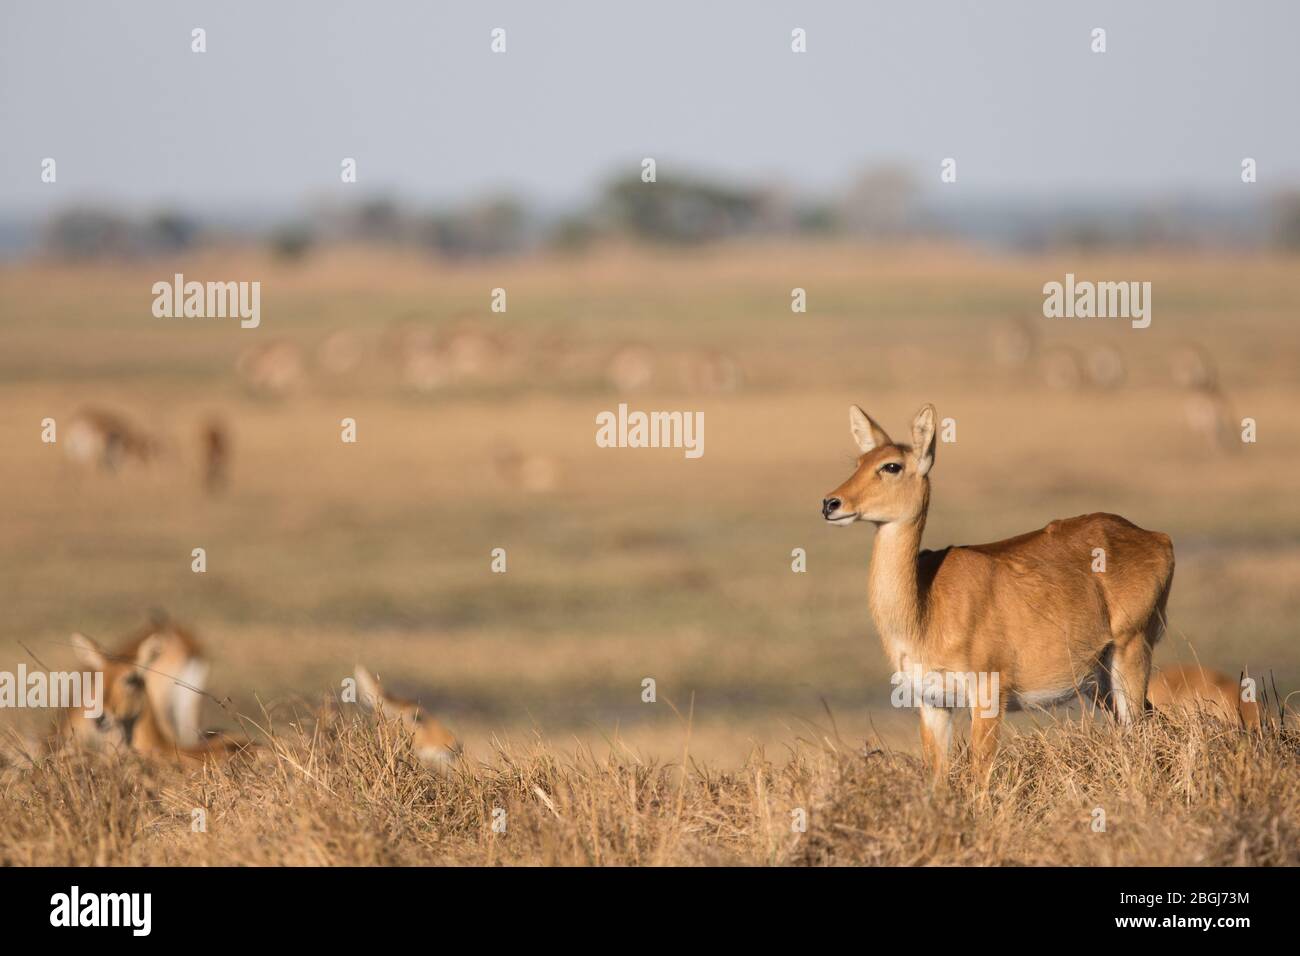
(890, 482)
(125, 697)
(435, 746)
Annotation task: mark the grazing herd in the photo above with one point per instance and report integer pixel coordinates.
(1016, 346)
(425, 359)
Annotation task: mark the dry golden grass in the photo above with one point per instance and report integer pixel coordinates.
(344, 790)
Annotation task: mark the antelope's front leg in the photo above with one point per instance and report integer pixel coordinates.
(936, 735)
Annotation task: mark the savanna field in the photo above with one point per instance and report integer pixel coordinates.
(626, 564)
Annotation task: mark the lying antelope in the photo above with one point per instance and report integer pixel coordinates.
(1030, 610)
(1190, 687)
(434, 745)
(175, 679)
(129, 719)
(95, 436)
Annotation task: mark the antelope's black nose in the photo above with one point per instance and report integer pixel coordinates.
(830, 506)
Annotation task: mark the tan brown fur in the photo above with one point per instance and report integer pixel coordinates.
(215, 439)
(434, 745)
(1190, 687)
(129, 720)
(175, 680)
(96, 436)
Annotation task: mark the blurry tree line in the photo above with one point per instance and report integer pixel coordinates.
(883, 203)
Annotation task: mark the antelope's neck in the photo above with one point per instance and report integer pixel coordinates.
(893, 589)
(147, 737)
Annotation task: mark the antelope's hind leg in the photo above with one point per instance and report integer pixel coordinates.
(1130, 672)
(936, 736)
(985, 722)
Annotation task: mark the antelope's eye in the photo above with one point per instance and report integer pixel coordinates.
(892, 468)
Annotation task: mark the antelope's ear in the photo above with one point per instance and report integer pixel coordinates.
(866, 433)
(148, 652)
(371, 694)
(88, 652)
(923, 440)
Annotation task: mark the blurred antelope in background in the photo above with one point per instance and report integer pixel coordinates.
(1206, 407)
(434, 745)
(340, 352)
(710, 372)
(1016, 345)
(272, 369)
(631, 367)
(97, 437)
(1029, 609)
(533, 473)
(1103, 367)
(1014, 342)
(424, 369)
(427, 362)
(1192, 688)
(216, 455)
(1062, 368)
(472, 353)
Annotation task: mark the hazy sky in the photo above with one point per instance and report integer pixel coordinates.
(110, 89)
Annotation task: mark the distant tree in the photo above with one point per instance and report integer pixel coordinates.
(170, 231)
(291, 243)
(880, 202)
(87, 232)
(679, 210)
(1286, 220)
(493, 228)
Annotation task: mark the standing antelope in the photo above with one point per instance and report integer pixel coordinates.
(1030, 609)
(435, 746)
(216, 455)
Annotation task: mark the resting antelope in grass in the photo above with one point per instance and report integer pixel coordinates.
(129, 719)
(434, 745)
(1029, 609)
(1190, 687)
